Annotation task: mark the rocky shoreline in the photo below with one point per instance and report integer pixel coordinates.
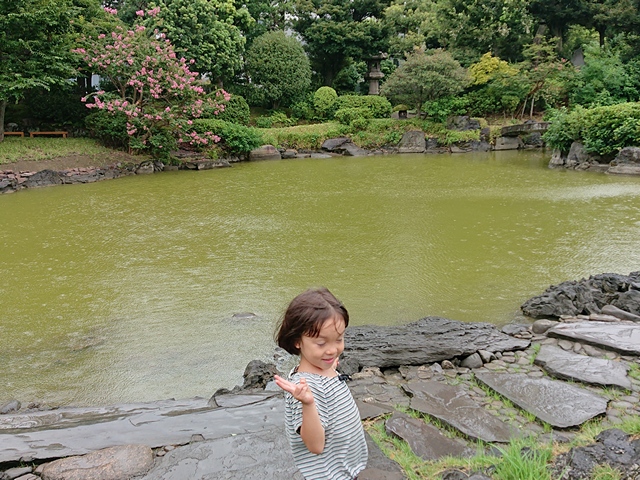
(481, 383)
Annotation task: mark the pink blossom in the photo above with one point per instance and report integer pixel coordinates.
(111, 11)
(140, 13)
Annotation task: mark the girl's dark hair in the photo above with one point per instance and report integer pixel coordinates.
(305, 316)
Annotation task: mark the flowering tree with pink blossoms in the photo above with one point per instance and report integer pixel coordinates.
(154, 89)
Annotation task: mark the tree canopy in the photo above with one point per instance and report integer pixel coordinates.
(425, 76)
(35, 47)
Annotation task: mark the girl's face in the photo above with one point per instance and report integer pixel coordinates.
(319, 354)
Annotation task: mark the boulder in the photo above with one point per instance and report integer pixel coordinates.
(627, 162)
(265, 152)
(43, 178)
(462, 123)
(331, 144)
(412, 141)
(508, 143)
(257, 374)
(429, 340)
(587, 296)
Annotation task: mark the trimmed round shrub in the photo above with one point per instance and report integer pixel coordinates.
(236, 110)
(379, 107)
(324, 102)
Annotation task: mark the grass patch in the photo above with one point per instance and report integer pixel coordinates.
(605, 472)
(14, 149)
(524, 460)
(634, 371)
(535, 349)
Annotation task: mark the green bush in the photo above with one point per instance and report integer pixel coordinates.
(611, 128)
(275, 120)
(564, 128)
(378, 106)
(236, 139)
(602, 130)
(110, 129)
(444, 107)
(302, 109)
(236, 110)
(324, 102)
(348, 115)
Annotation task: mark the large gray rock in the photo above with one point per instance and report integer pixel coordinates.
(332, 144)
(412, 141)
(114, 463)
(352, 150)
(454, 407)
(508, 143)
(587, 296)
(462, 123)
(627, 162)
(621, 337)
(429, 340)
(613, 447)
(265, 152)
(77, 431)
(572, 366)
(425, 440)
(560, 404)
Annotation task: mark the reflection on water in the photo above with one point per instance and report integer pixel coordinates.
(126, 290)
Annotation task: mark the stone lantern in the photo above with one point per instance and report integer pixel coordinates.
(375, 73)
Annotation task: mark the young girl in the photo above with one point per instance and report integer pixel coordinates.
(321, 417)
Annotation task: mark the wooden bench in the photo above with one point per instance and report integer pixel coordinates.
(33, 134)
(18, 134)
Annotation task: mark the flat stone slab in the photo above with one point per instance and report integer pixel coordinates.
(620, 337)
(76, 431)
(454, 407)
(425, 440)
(558, 403)
(263, 455)
(572, 366)
(429, 340)
(113, 463)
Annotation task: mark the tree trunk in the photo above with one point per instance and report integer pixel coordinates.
(3, 109)
(533, 99)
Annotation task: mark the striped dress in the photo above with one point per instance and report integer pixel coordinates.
(345, 448)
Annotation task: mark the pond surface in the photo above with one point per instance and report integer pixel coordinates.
(126, 290)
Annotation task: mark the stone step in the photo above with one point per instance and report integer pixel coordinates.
(454, 407)
(572, 366)
(425, 440)
(622, 337)
(558, 403)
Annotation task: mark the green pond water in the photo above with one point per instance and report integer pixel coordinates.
(126, 290)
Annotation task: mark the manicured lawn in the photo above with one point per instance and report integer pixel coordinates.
(14, 149)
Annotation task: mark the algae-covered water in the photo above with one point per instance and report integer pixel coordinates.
(126, 290)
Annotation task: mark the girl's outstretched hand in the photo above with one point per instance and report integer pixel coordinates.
(300, 391)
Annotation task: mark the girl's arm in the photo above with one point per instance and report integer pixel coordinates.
(311, 431)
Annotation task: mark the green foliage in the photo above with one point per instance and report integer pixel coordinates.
(110, 129)
(208, 31)
(236, 139)
(604, 79)
(444, 107)
(348, 79)
(278, 67)
(35, 47)
(603, 130)
(276, 119)
(349, 114)
(411, 25)
(605, 472)
(378, 107)
(324, 101)
(302, 109)
(236, 110)
(608, 129)
(469, 29)
(335, 32)
(425, 77)
(14, 149)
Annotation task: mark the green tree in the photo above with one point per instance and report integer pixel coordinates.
(335, 31)
(35, 44)
(471, 29)
(410, 25)
(208, 31)
(278, 67)
(425, 77)
(560, 15)
(268, 15)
